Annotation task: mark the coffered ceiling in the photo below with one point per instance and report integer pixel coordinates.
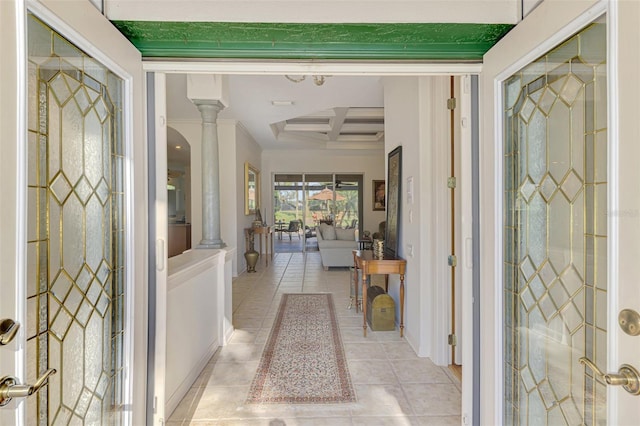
(345, 112)
(339, 128)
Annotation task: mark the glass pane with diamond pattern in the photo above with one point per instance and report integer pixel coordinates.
(75, 237)
(555, 259)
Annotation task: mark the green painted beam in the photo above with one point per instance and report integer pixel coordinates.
(428, 41)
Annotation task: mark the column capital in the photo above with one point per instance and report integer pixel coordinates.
(208, 108)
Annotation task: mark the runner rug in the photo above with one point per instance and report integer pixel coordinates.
(303, 361)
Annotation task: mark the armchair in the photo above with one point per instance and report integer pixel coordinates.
(294, 228)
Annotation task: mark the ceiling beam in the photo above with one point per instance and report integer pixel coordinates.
(337, 122)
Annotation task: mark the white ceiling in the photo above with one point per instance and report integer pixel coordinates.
(339, 100)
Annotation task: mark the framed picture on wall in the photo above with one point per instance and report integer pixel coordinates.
(251, 189)
(379, 195)
(393, 201)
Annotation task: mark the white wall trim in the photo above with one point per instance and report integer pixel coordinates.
(440, 232)
(18, 240)
(498, 316)
(313, 67)
(613, 193)
(465, 250)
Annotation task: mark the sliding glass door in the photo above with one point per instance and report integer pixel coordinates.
(311, 199)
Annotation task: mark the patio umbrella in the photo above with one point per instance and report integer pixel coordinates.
(326, 194)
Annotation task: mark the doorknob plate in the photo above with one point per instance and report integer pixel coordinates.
(629, 321)
(633, 384)
(6, 382)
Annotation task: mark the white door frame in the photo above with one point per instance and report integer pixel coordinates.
(439, 328)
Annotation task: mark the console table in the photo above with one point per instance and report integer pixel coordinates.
(266, 233)
(369, 264)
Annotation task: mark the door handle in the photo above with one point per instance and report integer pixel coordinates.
(8, 330)
(627, 376)
(9, 387)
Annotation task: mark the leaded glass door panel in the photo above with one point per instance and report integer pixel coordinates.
(555, 234)
(74, 292)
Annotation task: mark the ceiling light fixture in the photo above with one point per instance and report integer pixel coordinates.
(296, 80)
(281, 103)
(318, 80)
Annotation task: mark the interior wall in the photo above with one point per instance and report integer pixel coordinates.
(371, 163)
(402, 127)
(229, 187)
(416, 117)
(246, 149)
(191, 130)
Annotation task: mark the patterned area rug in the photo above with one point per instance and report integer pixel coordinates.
(303, 361)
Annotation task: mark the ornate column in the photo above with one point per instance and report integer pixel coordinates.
(210, 174)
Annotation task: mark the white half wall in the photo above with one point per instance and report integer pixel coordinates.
(198, 317)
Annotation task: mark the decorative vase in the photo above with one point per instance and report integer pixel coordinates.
(258, 223)
(251, 256)
(378, 248)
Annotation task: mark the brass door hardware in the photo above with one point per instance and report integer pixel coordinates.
(627, 376)
(629, 321)
(9, 387)
(8, 330)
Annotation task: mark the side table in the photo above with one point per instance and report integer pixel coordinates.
(385, 265)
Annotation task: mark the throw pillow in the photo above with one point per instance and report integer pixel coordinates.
(346, 234)
(328, 231)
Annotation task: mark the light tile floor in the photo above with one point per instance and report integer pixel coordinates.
(393, 385)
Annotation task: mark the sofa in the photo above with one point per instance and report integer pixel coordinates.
(336, 245)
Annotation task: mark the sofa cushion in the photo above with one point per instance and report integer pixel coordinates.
(328, 232)
(346, 234)
(337, 244)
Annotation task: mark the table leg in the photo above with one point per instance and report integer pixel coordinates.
(267, 243)
(355, 286)
(271, 238)
(364, 303)
(401, 305)
(386, 283)
(261, 237)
